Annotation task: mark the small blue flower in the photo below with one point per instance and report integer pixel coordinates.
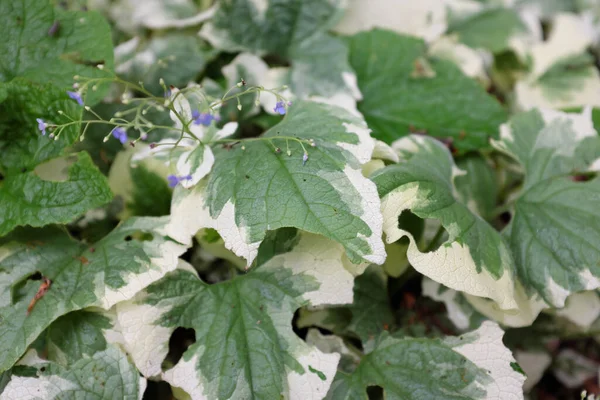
(280, 108)
(120, 134)
(175, 180)
(76, 96)
(42, 125)
(304, 158)
(203, 118)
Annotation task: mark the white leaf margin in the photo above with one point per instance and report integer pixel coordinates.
(452, 265)
(489, 353)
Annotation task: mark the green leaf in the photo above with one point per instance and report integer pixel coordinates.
(477, 188)
(268, 27)
(396, 103)
(371, 310)
(108, 374)
(33, 192)
(22, 144)
(475, 259)
(77, 335)
(572, 81)
(473, 366)
(561, 76)
(320, 67)
(81, 42)
(56, 192)
(114, 269)
(143, 188)
(245, 346)
(491, 29)
(177, 58)
(554, 232)
(253, 188)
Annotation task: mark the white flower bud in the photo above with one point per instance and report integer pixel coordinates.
(100, 67)
(239, 107)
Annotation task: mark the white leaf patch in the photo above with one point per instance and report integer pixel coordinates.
(489, 353)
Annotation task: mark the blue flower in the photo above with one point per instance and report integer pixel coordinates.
(120, 134)
(203, 118)
(76, 96)
(175, 180)
(304, 158)
(42, 125)
(280, 108)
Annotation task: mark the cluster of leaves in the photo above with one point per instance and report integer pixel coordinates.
(413, 215)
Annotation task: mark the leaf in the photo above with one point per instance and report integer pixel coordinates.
(108, 374)
(320, 68)
(475, 259)
(134, 255)
(81, 42)
(78, 335)
(245, 346)
(492, 29)
(253, 188)
(534, 364)
(143, 188)
(460, 312)
(175, 57)
(424, 19)
(33, 193)
(32, 199)
(334, 344)
(268, 27)
(475, 365)
(21, 142)
(554, 231)
(158, 14)
(568, 83)
(371, 310)
(394, 104)
(477, 188)
(189, 157)
(470, 61)
(562, 73)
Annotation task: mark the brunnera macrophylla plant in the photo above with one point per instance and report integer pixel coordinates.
(286, 222)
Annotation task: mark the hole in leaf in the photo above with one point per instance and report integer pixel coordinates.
(375, 392)
(505, 217)
(428, 232)
(36, 276)
(140, 236)
(411, 223)
(56, 170)
(158, 391)
(180, 340)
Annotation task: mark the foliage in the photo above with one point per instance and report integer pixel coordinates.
(297, 199)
